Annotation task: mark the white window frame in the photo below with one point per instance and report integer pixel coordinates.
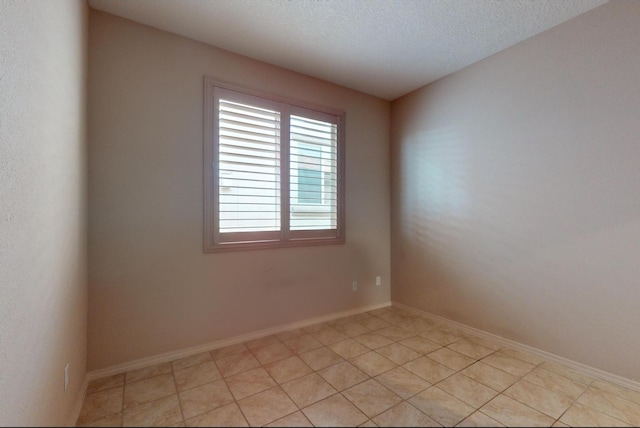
(214, 241)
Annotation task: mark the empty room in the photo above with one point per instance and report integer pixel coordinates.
(319, 213)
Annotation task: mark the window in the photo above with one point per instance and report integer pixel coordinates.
(274, 171)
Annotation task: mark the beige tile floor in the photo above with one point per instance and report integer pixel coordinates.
(386, 367)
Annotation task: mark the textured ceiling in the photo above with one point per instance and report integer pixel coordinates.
(385, 48)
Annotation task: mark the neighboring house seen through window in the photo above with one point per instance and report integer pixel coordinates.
(264, 157)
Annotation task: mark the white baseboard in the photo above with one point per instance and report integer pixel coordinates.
(75, 414)
(187, 352)
(548, 356)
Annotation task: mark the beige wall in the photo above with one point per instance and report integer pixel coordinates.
(152, 289)
(516, 192)
(43, 295)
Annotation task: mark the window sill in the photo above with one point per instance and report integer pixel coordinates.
(261, 245)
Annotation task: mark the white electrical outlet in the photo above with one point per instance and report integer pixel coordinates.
(66, 377)
(354, 285)
(378, 280)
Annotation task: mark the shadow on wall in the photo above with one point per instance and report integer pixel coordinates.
(433, 182)
(435, 245)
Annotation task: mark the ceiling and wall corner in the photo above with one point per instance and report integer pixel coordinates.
(134, 153)
(152, 289)
(515, 197)
(380, 47)
(397, 49)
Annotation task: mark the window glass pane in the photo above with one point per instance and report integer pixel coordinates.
(248, 168)
(309, 186)
(313, 174)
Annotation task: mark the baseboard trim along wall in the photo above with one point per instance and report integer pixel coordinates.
(548, 356)
(80, 401)
(187, 352)
(173, 355)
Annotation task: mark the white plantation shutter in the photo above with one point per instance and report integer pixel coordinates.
(274, 172)
(248, 168)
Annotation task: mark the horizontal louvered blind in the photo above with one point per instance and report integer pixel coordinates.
(248, 168)
(274, 172)
(313, 173)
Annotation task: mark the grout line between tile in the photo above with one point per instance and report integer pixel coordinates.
(397, 320)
